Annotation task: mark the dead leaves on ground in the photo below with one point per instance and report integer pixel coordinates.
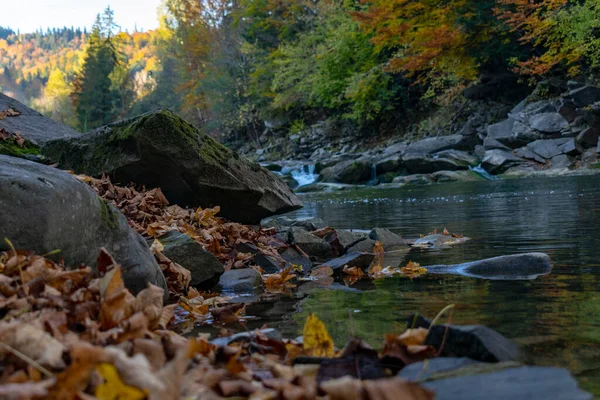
(73, 334)
(11, 112)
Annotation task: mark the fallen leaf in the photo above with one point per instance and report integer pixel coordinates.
(322, 271)
(317, 342)
(353, 271)
(113, 387)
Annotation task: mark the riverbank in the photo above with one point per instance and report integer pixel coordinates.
(555, 131)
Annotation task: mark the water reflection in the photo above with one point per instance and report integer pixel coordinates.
(556, 317)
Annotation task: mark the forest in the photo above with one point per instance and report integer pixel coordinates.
(229, 66)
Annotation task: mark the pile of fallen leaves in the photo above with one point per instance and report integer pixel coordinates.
(149, 213)
(79, 334)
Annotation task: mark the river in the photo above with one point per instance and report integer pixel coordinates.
(555, 317)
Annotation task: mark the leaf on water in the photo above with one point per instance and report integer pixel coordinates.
(413, 270)
(411, 337)
(353, 271)
(228, 314)
(379, 254)
(113, 387)
(317, 342)
(278, 283)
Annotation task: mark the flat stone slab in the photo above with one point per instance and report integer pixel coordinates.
(32, 125)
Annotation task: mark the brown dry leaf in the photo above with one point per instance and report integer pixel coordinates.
(195, 305)
(317, 342)
(348, 388)
(25, 390)
(150, 302)
(228, 314)
(445, 232)
(322, 271)
(413, 270)
(379, 254)
(114, 299)
(278, 283)
(234, 366)
(31, 341)
(353, 271)
(412, 337)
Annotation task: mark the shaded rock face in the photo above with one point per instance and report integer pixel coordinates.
(44, 209)
(498, 161)
(312, 245)
(387, 238)
(32, 125)
(159, 149)
(353, 259)
(350, 172)
(204, 267)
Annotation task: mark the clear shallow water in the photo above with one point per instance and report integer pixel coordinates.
(555, 317)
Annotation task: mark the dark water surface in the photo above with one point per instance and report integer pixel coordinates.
(555, 317)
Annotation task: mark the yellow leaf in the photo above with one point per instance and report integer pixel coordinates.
(317, 341)
(113, 387)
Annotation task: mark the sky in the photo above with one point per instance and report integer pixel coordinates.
(29, 15)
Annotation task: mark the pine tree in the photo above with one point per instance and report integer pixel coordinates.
(93, 97)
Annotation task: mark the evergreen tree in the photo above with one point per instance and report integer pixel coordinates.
(94, 97)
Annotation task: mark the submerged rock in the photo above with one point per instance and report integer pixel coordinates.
(353, 259)
(460, 378)
(45, 209)
(245, 280)
(312, 245)
(477, 342)
(512, 267)
(388, 239)
(204, 267)
(159, 149)
(437, 241)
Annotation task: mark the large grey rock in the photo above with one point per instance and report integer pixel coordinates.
(465, 379)
(353, 259)
(588, 138)
(294, 257)
(45, 209)
(387, 238)
(159, 149)
(477, 342)
(571, 148)
(425, 164)
(341, 240)
(204, 267)
(267, 262)
(310, 223)
(509, 133)
(511, 267)
(389, 164)
(525, 152)
(312, 245)
(349, 171)
(245, 280)
(32, 125)
(463, 159)
(560, 161)
(364, 246)
(585, 95)
(498, 161)
(545, 148)
(435, 144)
(489, 143)
(551, 122)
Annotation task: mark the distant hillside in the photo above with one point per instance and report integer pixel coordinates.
(28, 60)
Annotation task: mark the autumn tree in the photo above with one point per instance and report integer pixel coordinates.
(562, 34)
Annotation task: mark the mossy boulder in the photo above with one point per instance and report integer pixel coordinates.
(160, 149)
(45, 209)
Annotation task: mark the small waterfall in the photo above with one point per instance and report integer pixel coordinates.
(305, 175)
(479, 170)
(374, 181)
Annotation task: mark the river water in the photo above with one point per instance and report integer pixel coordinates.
(556, 318)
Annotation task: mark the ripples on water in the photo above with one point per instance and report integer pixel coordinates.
(556, 317)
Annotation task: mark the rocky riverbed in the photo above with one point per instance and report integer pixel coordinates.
(555, 131)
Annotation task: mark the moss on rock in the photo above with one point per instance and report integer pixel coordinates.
(10, 147)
